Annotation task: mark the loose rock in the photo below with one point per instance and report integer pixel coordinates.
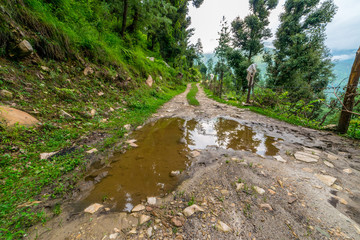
(266, 206)
(138, 208)
(178, 221)
(143, 219)
(280, 159)
(127, 127)
(44, 156)
(149, 232)
(93, 208)
(348, 171)
(94, 150)
(239, 186)
(11, 116)
(306, 157)
(328, 180)
(151, 200)
(192, 209)
(221, 226)
(114, 235)
(65, 115)
(259, 190)
(194, 154)
(174, 173)
(149, 81)
(329, 164)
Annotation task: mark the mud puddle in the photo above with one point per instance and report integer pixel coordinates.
(163, 147)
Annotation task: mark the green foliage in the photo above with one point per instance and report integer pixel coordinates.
(192, 201)
(354, 128)
(191, 96)
(252, 30)
(300, 62)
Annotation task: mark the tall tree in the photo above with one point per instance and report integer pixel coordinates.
(221, 52)
(250, 32)
(301, 63)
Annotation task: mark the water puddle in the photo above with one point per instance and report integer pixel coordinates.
(162, 147)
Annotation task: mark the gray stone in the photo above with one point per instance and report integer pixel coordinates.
(88, 71)
(192, 209)
(5, 94)
(25, 48)
(149, 232)
(326, 179)
(194, 154)
(114, 235)
(143, 219)
(306, 157)
(348, 171)
(329, 164)
(239, 186)
(259, 190)
(93, 208)
(221, 226)
(151, 200)
(280, 159)
(127, 127)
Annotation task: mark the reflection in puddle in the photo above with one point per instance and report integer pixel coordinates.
(162, 147)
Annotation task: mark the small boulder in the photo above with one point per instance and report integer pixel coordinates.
(149, 232)
(45, 69)
(192, 209)
(11, 116)
(23, 49)
(348, 171)
(149, 81)
(127, 127)
(239, 186)
(5, 94)
(93, 208)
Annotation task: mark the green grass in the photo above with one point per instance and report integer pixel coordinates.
(191, 96)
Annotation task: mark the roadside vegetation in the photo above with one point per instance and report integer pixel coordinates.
(191, 96)
(297, 85)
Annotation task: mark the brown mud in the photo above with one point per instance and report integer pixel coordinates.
(243, 170)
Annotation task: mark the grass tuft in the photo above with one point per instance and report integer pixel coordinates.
(191, 96)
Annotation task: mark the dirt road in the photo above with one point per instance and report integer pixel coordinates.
(308, 189)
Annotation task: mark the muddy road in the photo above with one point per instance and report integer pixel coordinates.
(217, 172)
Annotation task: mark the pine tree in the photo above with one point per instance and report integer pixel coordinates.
(301, 63)
(250, 32)
(221, 52)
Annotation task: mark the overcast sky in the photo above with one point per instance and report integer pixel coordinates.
(343, 32)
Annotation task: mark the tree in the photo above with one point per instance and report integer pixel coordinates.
(221, 52)
(301, 63)
(250, 32)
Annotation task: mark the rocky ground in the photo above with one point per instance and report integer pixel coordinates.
(310, 190)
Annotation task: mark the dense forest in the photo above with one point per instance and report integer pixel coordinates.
(86, 67)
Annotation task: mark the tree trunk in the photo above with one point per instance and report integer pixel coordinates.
(249, 88)
(125, 10)
(350, 94)
(134, 24)
(221, 83)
